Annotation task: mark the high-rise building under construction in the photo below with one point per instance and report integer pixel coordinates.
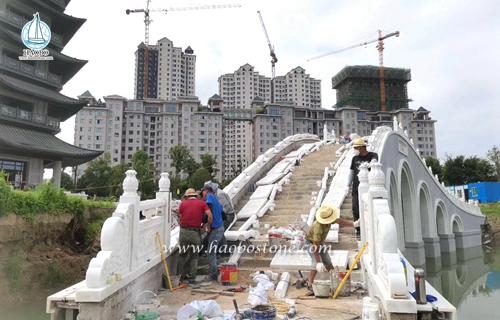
(359, 86)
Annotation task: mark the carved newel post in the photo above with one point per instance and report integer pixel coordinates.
(130, 183)
(131, 198)
(166, 211)
(164, 182)
(376, 177)
(362, 189)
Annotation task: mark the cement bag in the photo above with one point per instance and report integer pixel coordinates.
(198, 309)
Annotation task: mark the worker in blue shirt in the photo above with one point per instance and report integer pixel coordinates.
(215, 231)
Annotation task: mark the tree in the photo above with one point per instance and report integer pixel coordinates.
(209, 162)
(117, 177)
(145, 169)
(461, 170)
(198, 178)
(178, 155)
(494, 156)
(189, 166)
(435, 166)
(97, 176)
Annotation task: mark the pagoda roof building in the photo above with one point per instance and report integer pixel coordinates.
(31, 105)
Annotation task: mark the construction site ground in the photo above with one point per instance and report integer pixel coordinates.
(341, 308)
(291, 203)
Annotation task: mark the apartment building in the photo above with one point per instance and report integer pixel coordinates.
(244, 89)
(299, 87)
(238, 89)
(170, 71)
(123, 127)
(98, 126)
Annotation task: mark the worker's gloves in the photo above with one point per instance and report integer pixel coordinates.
(346, 190)
(355, 224)
(320, 267)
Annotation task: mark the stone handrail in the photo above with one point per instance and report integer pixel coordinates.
(129, 246)
(377, 140)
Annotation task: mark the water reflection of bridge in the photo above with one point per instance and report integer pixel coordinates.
(458, 274)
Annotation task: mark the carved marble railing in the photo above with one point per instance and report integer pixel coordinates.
(381, 258)
(129, 246)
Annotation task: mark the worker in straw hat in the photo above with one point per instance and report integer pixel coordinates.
(314, 243)
(361, 154)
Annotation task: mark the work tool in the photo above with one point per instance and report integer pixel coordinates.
(237, 289)
(358, 256)
(301, 282)
(237, 315)
(164, 259)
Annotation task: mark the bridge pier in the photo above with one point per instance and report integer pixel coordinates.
(432, 247)
(468, 239)
(415, 252)
(447, 242)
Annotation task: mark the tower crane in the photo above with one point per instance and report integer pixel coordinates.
(271, 47)
(380, 48)
(147, 22)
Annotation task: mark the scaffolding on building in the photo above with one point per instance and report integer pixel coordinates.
(359, 86)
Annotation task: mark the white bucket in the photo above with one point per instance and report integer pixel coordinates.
(321, 288)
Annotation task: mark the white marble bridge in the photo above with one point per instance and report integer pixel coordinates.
(405, 212)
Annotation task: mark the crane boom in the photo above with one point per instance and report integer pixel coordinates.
(380, 48)
(265, 32)
(274, 59)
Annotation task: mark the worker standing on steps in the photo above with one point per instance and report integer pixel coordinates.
(361, 154)
(314, 243)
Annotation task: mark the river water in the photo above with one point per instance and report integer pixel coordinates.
(469, 279)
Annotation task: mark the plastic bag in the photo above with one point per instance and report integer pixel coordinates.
(263, 279)
(257, 296)
(197, 309)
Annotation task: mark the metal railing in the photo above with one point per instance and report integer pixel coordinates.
(29, 116)
(29, 69)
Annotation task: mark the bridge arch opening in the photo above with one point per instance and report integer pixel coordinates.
(395, 208)
(428, 229)
(457, 225)
(440, 218)
(411, 223)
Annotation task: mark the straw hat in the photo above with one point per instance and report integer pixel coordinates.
(191, 193)
(359, 143)
(327, 214)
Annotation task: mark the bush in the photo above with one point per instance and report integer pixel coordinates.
(51, 199)
(45, 199)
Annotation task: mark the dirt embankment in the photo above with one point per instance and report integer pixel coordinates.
(494, 222)
(43, 256)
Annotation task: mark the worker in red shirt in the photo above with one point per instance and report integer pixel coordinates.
(191, 212)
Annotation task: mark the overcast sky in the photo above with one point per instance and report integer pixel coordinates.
(452, 48)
